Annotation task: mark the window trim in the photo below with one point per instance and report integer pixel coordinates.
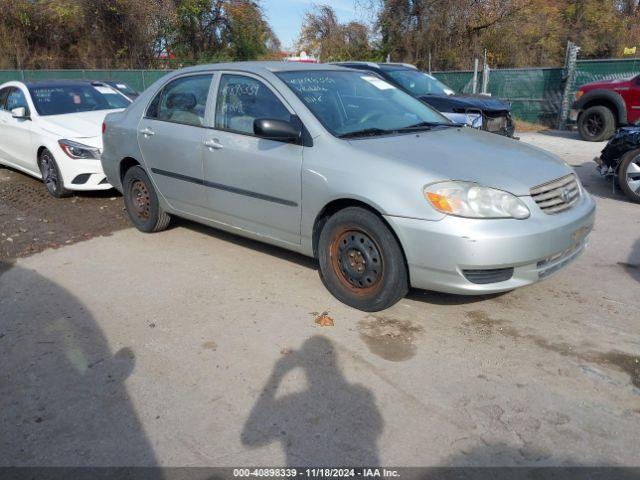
(214, 76)
(267, 84)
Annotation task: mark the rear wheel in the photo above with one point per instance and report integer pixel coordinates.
(51, 175)
(597, 124)
(629, 175)
(142, 202)
(361, 262)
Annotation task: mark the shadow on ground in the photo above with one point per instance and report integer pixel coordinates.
(331, 423)
(63, 400)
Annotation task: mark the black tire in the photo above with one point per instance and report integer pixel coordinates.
(627, 173)
(597, 124)
(361, 262)
(141, 202)
(51, 176)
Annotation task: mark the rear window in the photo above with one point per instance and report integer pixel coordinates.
(59, 100)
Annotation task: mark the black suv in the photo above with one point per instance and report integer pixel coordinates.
(478, 111)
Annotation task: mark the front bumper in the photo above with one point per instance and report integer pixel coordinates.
(440, 253)
(574, 113)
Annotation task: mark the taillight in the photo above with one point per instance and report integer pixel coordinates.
(104, 127)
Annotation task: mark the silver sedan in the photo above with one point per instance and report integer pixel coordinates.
(340, 165)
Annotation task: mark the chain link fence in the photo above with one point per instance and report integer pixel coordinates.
(535, 94)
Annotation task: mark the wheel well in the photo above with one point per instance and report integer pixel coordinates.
(603, 102)
(126, 164)
(340, 204)
(40, 150)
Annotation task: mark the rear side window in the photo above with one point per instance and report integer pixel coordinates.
(183, 100)
(241, 100)
(3, 98)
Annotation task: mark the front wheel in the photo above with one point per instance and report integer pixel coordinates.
(597, 124)
(361, 262)
(142, 203)
(629, 175)
(51, 175)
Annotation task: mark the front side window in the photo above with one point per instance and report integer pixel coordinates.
(16, 99)
(241, 100)
(348, 102)
(183, 100)
(3, 98)
(63, 99)
(419, 83)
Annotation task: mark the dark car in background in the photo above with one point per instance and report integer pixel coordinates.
(621, 158)
(123, 88)
(478, 111)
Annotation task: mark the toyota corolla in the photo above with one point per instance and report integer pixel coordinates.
(343, 166)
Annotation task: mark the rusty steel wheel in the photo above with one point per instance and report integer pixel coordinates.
(141, 200)
(361, 261)
(357, 262)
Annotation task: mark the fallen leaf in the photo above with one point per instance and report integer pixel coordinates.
(324, 320)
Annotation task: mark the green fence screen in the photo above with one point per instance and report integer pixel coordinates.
(535, 94)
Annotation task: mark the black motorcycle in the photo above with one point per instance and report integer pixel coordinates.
(621, 158)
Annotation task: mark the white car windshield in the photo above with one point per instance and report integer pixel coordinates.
(62, 99)
(419, 83)
(351, 104)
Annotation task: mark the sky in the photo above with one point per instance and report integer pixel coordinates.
(285, 16)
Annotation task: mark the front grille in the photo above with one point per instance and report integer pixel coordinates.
(558, 195)
(483, 277)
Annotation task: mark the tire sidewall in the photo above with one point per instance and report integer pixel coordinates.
(622, 175)
(394, 283)
(132, 175)
(60, 191)
(608, 129)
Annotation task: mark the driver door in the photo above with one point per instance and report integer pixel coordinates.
(15, 137)
(253, 183)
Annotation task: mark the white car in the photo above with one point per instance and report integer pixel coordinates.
(53, 131)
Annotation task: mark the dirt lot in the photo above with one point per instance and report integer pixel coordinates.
(31, 220)
(194, 347)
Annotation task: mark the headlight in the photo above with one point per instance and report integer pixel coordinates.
(78, 150)
(470, 200)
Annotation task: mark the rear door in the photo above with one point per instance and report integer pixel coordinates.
(170, 136)
(253, 183)
(16, 132)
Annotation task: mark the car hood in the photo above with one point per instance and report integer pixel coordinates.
(606, 84)
(469, 155)
(447, 103)
(75, 125)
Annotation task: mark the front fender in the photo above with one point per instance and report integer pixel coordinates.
(603, 94)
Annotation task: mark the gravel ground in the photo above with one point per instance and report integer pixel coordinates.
(197, 348)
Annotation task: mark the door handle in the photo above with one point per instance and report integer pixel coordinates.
(213, 144)
(147, 132)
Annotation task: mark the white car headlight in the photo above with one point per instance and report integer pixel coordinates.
(470, 200)
(78, 150)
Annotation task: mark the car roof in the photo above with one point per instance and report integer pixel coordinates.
(263, 67)
(58, 83)
(380, 66)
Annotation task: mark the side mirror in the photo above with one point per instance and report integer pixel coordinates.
(278, 130)
(20, 113)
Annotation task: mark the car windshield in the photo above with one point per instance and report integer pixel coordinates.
(419, 83)
(124, 88)
(61, 99)
(353, 104)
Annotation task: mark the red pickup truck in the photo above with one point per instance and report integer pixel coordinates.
(601, 107)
